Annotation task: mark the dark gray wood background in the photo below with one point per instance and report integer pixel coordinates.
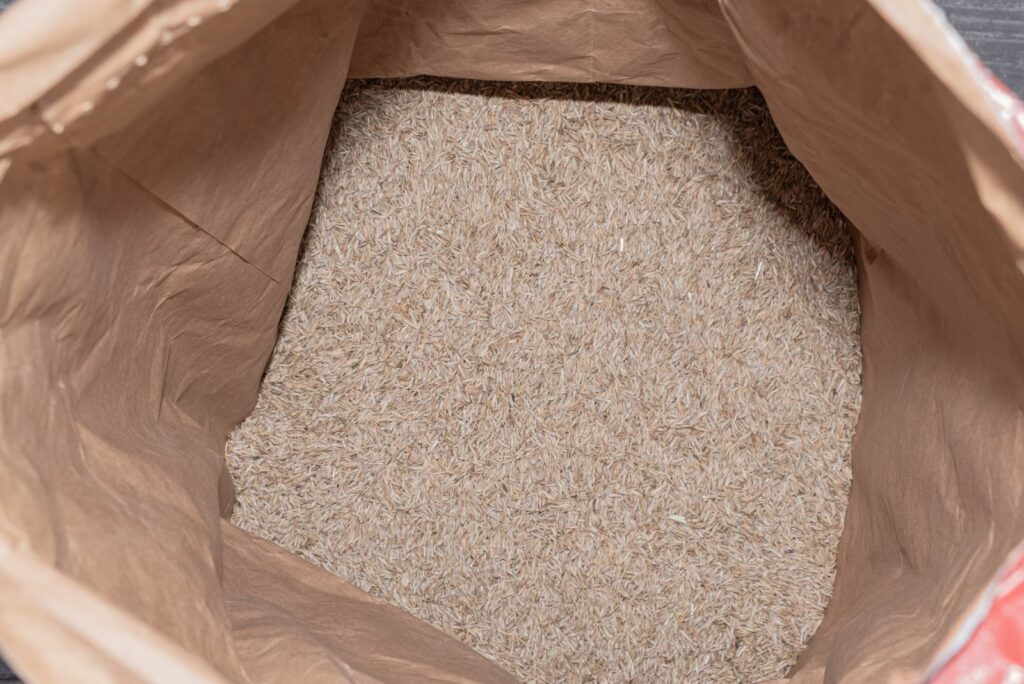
(995, 31)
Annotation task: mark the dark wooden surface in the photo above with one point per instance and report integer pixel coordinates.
(6, 675)
(995, 31)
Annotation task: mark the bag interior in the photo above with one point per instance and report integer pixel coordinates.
(571, 373)
(159, 162)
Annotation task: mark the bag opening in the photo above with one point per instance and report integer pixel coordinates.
(158, 164)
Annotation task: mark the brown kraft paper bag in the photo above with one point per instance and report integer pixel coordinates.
(158, 161)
